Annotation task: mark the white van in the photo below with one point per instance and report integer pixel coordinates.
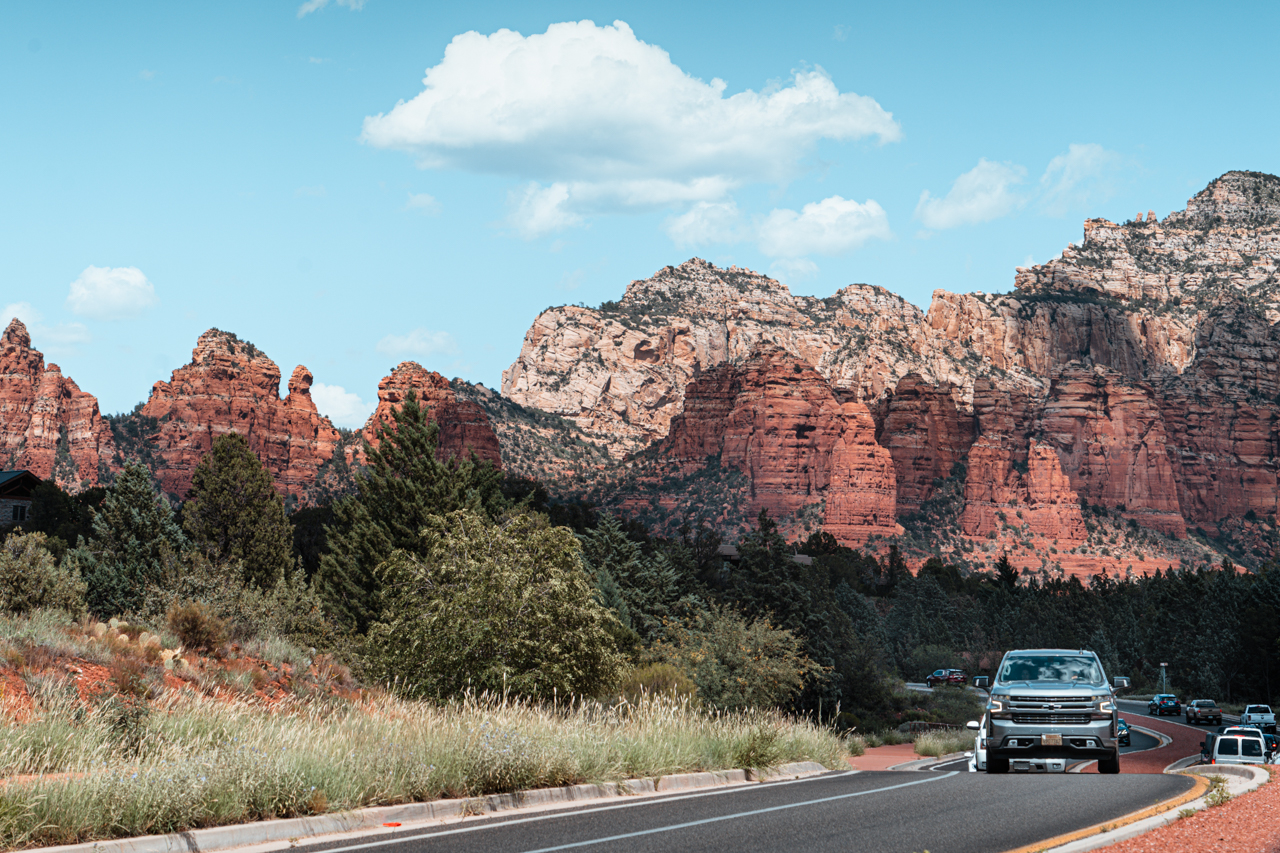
(1235, 748)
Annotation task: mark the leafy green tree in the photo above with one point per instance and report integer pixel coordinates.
(648, 587)
(63, 518)
(135, 542)
(31, 578)
(492, 606)
(233, 512)
(405, 487)
(735, 662)
(1006, 574)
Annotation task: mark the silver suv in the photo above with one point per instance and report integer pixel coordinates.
(1048, 707)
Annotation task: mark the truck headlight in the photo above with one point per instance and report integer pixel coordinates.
(1104, 708)
(996, 709)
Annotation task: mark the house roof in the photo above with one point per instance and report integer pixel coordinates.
(11, 481)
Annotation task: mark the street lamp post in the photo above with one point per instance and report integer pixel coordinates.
(1163, 681)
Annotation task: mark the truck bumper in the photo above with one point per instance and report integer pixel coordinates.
(1028, 742)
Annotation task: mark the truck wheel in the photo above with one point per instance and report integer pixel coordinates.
(1110, 765)
(997, 765)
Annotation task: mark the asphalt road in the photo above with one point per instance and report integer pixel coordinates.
(1137, 742)
(894, 812)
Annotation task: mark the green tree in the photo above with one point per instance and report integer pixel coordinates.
(648, 586)
(406, 486)
(135, 542)
(31, 578)
(233, 513)
(736, 663)
(493, 606)
(1006, 574)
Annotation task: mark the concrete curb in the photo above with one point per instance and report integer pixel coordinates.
(1241, 779)
(926, 763)
(292, 829)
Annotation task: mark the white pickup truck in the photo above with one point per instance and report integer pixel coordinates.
(1259, 716)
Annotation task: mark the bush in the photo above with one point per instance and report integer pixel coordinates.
(31, 579)
(656, 679)
(196, 626)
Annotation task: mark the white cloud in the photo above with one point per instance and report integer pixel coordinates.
(601, 121)
(423, 203)
(57, 340)
(792, 269)
(979, 195)
(706, 222)
(1075, 178)
(316, 5)
(340, 405)
(111, 293)
(828, 227)
(420, 342)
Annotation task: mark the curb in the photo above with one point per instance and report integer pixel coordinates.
(926, 763)
(374, 819)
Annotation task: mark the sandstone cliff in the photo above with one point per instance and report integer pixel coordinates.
(47, 424)
(231, 386)
(464, 426)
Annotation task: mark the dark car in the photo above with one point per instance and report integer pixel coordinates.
(1122, 732)
(1164, 703)
(947, 676)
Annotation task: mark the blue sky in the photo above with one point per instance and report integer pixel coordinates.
(172, 167)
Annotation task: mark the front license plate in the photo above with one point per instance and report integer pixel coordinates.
(1051, 740)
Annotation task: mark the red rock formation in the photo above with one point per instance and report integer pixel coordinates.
(926, 435)
(464, 426)
(862, 496)
(231, 386)
(1111, 439)
(47, 424)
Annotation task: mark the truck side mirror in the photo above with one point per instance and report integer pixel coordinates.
(973, 724)
(1121, 682)
(981, 682)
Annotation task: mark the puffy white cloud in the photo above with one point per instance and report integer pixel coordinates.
(1077, 177)
(981, 194)
(316, 5)
(705, 223)
(111, 293)
(828, 227)
(792, 269)
(419, 342)
(24, 311)
(602, 121)
(340, 405)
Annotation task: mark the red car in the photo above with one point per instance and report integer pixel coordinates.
(947, 676)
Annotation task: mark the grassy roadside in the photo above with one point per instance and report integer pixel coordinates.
(189, 761)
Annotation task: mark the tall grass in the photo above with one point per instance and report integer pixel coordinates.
(940, 743)
(194, 762)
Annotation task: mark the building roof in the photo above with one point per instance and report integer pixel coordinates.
(17, 481)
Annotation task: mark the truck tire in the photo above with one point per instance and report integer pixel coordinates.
(997, 765)
(1110, 765)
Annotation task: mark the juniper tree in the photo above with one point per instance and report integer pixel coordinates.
(404, 486)
(233, 513)
(135, 539)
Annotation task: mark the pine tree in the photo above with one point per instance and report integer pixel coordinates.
(404, 487)
(135, 539)
(1006, 574)
(233, 512)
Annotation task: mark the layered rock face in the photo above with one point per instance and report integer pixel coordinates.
(620, 371)
(926, 435)
(464, 426)
(231, 386)
(774, 418)
(47, 424)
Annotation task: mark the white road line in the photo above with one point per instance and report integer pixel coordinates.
(751, 813)
(646, 801)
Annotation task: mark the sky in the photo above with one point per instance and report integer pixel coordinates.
(350, 184)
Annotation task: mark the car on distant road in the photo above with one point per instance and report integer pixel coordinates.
(1122, 732)
(947, 676)
(1164, 703)
(1203, 711)
(1260, 716)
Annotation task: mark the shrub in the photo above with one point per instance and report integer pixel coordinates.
(656, 679)
(196, 626)
(30, 578)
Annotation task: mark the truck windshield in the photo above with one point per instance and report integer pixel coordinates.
(1063, 669)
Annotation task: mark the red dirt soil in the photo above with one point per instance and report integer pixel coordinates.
(1185, 742)
(884, 757)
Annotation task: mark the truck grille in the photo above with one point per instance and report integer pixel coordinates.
(1051, 719)
(1040, 700)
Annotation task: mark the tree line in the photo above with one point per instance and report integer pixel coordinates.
(439, 576)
